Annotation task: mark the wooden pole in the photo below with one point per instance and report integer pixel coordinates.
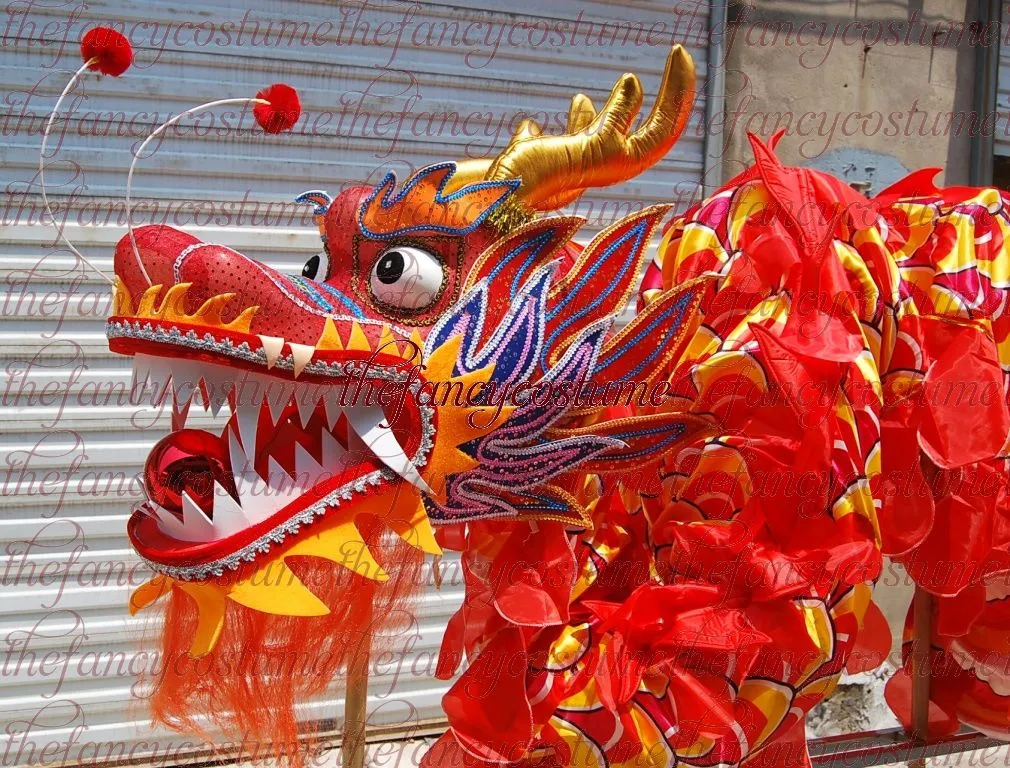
(356, 701)
(922, 621)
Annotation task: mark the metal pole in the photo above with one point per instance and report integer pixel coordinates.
(356, 701)
(985, 86)
(715, 94)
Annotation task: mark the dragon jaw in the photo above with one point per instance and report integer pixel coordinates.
(300, 458)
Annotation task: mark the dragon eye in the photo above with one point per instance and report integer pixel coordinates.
(406, 278)
(317, 267)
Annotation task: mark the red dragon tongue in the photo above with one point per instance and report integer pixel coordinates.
(189, 461)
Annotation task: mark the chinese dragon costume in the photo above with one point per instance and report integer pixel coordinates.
(668, 580)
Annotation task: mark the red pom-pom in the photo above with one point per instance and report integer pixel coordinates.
(283, 110)
(112, 50)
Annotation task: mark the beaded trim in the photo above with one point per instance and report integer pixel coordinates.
(510, 215)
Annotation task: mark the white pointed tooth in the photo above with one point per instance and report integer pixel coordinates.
(216, 403)
(277, 396)
(240, 464)
(217, 399)
(248, 417)
(151, 377)
(228, 517)
(278, 480)
(160, 375)
(168, 522)
(185, 384)
(368, 423)
(257, 505)
(219, 383)
(198, 526)
(186, 375)
(331, 400)
(282, 489)
(357, 451)
(139, 388)
(247, 386)
(272, 346)
(182, 396)
(307, 469)
(158, 394)
(301, 354)
(141, 373)
(334, 455)
(307, 398)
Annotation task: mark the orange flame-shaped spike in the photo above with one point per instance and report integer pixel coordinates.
(421, 206)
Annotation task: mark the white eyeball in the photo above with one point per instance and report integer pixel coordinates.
(317, 267)
(406, 277)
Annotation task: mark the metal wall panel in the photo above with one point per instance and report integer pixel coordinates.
(72, 443)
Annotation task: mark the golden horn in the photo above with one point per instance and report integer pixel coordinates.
(599, 149)
(580, 115)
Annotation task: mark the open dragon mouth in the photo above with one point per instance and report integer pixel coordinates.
(310, 429)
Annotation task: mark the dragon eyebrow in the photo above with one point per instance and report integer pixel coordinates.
(421, 205)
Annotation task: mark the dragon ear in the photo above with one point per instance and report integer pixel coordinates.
(103, 50)
(321, 202)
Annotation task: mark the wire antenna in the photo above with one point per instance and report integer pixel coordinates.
(140, 150)
(74, 80)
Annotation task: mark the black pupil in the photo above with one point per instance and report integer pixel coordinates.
(311, 267)
(390, 267)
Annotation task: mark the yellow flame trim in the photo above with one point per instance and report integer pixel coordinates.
(210, 604)
(387, 342)
(171, 307)
(329, 339)
(357, 341)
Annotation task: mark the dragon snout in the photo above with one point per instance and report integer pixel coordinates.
(288, 307)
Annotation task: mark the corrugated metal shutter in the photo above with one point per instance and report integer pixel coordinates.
(72, 444)
(1001, 136)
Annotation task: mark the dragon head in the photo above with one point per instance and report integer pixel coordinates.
(344, 382)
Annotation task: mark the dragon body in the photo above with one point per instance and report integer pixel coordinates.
(648, 583)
